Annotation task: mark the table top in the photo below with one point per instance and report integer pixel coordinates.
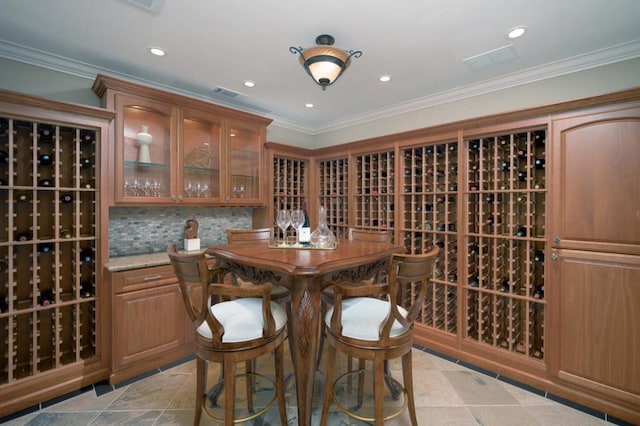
(300, 262)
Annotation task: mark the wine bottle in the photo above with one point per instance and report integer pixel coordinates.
(45, 247)
(522, 232)
(23, 236)
(3, 182)
(505, 287)
(522, 176)
(539, 163)
(23, 197)
(522, 154)
(66, 198)
(65, 233)
(521, 199)
(492, 220)
(506, 166)
(45, 133)
(86, 289)
(474, 145)
(85, 162)
(4, 308)
(538, 256)
(538, 293)
(86, 137)
(305, 230)
(45, 159)
(4, 156)
(45, 182)
(473, 282)
(46, 298)
(86, 254)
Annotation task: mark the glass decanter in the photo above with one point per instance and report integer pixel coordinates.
(322, 237)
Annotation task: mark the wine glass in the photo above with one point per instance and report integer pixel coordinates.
(297, 220)
(283, 219)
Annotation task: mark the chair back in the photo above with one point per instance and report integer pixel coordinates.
(373, 235)
(192, 268)
(404, 270)
(240, 235)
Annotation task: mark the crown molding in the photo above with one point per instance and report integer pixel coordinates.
(613, 54)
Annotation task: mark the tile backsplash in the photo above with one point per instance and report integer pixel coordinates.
(142, 230)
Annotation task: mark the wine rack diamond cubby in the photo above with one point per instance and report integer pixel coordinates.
(49, 240)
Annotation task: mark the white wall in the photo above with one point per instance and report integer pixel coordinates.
(45, 83)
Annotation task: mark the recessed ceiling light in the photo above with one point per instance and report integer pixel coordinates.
(517, 32)
(385, 78)
(157, 51)
(308, 105)
(249, 83)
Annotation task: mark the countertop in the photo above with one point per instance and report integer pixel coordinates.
(138, 261)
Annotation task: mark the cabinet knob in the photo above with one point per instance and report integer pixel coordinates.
(556, 239)
(554, 256)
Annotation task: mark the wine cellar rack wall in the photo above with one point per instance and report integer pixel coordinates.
(289, 183)
(48, 241)
(430, 195)
(374, 192)
(334, 194)
(505, 238)
(482, 202)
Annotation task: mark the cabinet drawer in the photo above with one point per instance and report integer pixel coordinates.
(139, 279)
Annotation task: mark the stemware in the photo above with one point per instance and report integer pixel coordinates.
(297, 220)
(283, 219)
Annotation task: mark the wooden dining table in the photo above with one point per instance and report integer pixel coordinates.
(305, 273)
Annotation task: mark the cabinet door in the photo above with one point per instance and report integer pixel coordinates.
(597, 187)
(145, 151)
(200, 157)
(244, 168)
(147, 323)
(595, 323)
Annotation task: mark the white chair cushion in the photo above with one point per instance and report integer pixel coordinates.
(242, 319)
(362, 317)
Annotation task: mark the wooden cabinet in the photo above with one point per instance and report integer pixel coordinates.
(51, 295)
(150, 328)
(171, 149)
(594, 298)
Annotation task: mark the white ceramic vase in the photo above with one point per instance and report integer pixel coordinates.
(144, 139)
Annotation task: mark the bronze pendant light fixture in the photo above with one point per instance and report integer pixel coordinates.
(325, 63)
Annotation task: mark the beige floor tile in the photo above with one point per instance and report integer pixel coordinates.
(88, 401)
(478, 389)
(502, 415)
(154, 392)
(143, 417)
(561, 415)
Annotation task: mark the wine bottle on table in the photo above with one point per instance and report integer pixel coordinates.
(305, 230)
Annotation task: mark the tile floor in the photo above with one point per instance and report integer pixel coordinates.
(447, 393)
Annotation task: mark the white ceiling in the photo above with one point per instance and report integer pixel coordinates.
(420, 43)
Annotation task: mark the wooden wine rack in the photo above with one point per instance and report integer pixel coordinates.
(429, 191)
(48, 242)
(374, 191)
(289, 183)
(504, 235)
(334, 194)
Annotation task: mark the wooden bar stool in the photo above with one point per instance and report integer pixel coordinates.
(368, 323)
(232, 324)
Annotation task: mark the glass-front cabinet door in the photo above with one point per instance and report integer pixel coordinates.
(144, 156)
(244, 153)
(200, 152)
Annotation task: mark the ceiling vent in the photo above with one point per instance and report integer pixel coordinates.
(228, 93)
(151, 6)
(492, 57)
